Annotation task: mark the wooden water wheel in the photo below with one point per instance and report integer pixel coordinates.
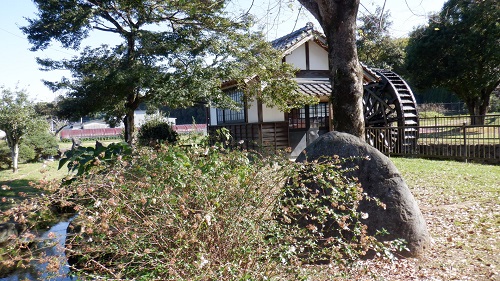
(390, 113)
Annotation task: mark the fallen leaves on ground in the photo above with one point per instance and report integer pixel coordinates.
(465, 244)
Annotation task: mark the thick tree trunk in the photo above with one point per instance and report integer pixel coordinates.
(473, 109)
(347, 79)
(338, 20)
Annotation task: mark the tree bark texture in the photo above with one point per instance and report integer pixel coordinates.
(338, 20)
(130, 127)
(15, 157)
(14, 151)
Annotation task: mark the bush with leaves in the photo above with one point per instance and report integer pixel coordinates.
(156, 131)
(5, 155)
(205, 214)
(38, 143)
(89, 160)
(319, 217)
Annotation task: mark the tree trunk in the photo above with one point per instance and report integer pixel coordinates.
(338, 20)
(347, 81)
(14, 151)
(484, 104)
(477, 106)
(129, 127)
(473, 109)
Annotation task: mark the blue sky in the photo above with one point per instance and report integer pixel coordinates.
(19, 69)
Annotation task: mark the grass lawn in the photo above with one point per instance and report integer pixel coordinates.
(14, 187)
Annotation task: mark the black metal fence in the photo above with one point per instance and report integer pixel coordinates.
(449, 139)
(459, 120)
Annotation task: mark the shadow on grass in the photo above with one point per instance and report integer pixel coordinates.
(12, 191)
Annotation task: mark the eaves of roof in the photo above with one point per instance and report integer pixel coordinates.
(291, 41)
(314, 87)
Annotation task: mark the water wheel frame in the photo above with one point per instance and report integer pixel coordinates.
(390, 111)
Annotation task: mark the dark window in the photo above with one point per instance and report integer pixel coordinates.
(318, 115)
(297, 118)
(315, 116)
(229, 115)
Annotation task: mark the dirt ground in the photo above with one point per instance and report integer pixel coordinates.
(462, 211)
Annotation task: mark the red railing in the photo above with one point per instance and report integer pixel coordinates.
(116, 132)
(90, 133)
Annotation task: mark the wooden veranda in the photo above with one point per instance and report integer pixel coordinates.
(255, 136)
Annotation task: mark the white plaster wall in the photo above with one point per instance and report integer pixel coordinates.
(298, 57)
(213, 116)
(272, 114)
(318, 57)
(139, 117)
(253, 112)
(98, 125)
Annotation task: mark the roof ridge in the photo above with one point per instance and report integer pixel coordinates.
(284, 42)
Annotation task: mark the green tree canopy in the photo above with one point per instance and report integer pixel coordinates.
(16, 120)
(171, 53)
(376, 47)
(459, 50)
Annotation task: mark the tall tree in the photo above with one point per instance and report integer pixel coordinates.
(338, 20)
(16, 120)
(171, 53)
(459, 50)
(376, 47)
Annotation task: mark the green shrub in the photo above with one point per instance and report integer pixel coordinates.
(86, 160)
(5, 156)
(206, 214)
(156, 131)
(34, 148)
(38, 143)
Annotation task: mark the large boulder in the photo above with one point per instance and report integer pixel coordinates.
(379, 178)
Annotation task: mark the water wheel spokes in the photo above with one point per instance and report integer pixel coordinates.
(390, 107)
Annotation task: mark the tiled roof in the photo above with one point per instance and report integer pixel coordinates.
(315, 87)
(368, 73)
(289, 41)
(316, 90)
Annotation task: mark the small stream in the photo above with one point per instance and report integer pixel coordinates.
(38, 271)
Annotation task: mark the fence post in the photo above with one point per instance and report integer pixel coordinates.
(466, 149)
